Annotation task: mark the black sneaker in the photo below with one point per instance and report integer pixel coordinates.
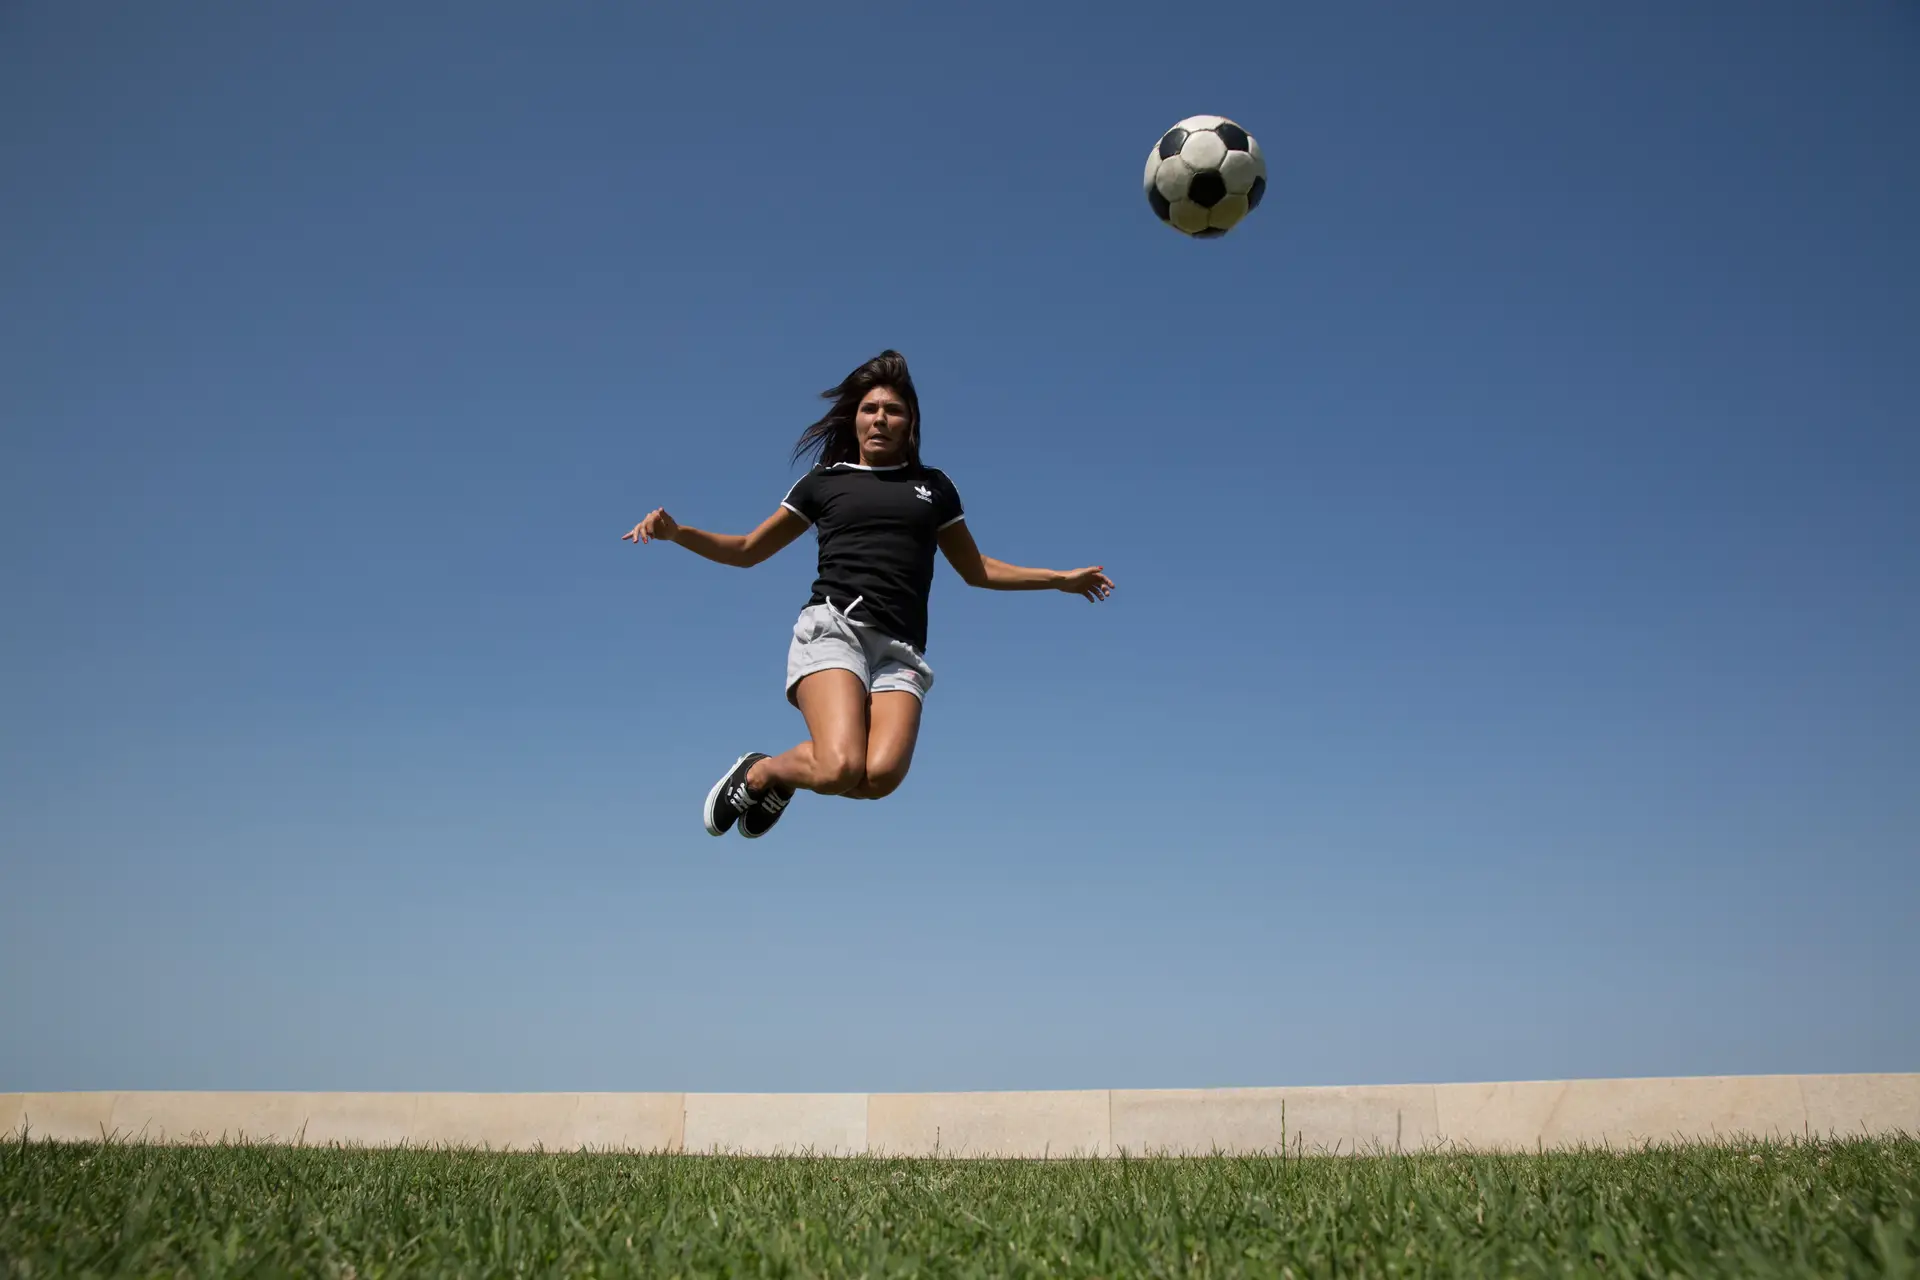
(730, 797)
(767, 808)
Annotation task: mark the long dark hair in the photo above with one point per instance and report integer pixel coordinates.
(832, 439)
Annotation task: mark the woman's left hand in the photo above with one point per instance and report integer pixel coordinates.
(1092, 583)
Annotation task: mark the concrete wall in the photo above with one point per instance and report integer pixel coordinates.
(1099, 1122)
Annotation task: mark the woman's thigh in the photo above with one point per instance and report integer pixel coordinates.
(834, 703)
(894, 728)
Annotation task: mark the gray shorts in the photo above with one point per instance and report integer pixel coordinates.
(824, 639)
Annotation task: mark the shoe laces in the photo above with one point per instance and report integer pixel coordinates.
(773, 802)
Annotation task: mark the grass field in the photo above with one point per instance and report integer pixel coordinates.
(1807, 1209)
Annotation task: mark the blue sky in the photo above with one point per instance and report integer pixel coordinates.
(1517, 523)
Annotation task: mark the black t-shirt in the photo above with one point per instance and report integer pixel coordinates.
(878, 529)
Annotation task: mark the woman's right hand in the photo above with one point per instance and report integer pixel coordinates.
(658, 526)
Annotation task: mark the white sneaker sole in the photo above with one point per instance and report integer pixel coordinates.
(713, 796)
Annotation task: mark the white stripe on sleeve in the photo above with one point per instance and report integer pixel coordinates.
(787, 501)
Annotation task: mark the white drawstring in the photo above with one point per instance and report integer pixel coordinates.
(842, 613)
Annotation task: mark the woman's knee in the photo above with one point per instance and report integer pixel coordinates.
(837, 770)
(883, 777)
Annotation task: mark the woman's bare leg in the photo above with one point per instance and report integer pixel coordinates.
(833, 761)
(894, 728)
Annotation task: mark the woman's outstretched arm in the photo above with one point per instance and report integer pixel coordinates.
(741, 550)
(977, 570)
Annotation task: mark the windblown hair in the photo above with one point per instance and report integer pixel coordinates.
(833, 438)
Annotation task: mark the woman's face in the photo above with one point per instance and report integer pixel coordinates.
(882, 427)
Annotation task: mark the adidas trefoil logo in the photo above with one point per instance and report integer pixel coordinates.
(923, 493)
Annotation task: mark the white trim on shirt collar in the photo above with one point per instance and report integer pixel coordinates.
(898, 466)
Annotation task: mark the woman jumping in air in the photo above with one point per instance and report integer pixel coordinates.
(855, 667)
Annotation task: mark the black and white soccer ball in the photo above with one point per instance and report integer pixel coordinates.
(1204, 175)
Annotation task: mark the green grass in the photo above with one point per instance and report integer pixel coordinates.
(1806, 1209)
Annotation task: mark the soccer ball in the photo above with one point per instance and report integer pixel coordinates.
(1204, 175)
